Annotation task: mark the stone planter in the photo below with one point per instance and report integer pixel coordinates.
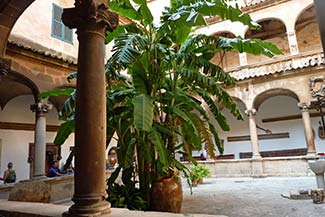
(167, 195)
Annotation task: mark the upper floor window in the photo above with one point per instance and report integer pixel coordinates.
(59, 30)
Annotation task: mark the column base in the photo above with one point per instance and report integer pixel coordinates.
(101, 209)
(312, 156)
(257, 168)
(39, 177)
(257, 157)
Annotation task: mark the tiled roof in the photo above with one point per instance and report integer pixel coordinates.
(274, 67)
(40, 49)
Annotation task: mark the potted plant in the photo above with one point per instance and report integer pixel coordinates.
(197, 173)
(171, 76)
(158, 110)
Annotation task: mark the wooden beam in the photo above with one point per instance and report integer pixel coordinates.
(260, 137)
(286, 118)
(25, 127)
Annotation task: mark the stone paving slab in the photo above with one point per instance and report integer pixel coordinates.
(252, 197)
(52, 210)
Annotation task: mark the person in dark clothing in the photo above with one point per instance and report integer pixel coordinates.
(54, 170)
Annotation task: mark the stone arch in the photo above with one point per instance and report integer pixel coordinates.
(306, 23)
(239, 101)
(18, 85)
(303, 10)
(58, 101)
(267, 17)
(226, 59)
(272, 30)
(263, 96)
(10, 11)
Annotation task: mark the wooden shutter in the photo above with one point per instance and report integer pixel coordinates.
(57, 25)
(67, 34)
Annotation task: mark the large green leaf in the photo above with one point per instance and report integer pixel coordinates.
(146, 15)
(143, 112)
(128, 47)
(253, 46)
(155, 138)
(64, 132)
(56, 92)
(125, 8)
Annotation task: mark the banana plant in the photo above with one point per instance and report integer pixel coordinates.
(172, 75)
(159, 111)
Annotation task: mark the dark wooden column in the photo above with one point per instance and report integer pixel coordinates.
(92, 19)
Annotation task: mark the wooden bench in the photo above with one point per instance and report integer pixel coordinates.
(276, 153)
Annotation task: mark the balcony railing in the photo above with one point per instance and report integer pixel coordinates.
(247, 3)
(287, 63)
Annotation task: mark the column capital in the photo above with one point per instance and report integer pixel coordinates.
(41, 107)
(5, 65)
(250, 112)
(90, 14)
(304, 106)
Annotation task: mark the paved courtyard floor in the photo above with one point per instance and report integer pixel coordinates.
(248, 197)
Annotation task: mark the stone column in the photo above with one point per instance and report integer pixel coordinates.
(40, 110)
(243, 59)
(92, 19)
(293, 44)
(309, 135)
(253, 133)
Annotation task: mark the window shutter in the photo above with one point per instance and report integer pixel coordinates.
(67, 34)
(57, 25)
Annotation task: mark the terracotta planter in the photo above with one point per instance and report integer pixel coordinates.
(167, 195)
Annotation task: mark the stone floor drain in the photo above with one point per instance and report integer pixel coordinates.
(239, 181)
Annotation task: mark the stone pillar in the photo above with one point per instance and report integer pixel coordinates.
(40, 110)
(309, 135)
(243, 59)
(253, 133)
(92, 19)
(293, 44)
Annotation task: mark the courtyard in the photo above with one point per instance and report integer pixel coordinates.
(248, 197)
(106, 102)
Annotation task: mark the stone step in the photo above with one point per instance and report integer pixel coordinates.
(25, 209)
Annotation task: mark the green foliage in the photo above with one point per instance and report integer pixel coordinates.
(57, 92)
(198, 172)
(171, 75)
(125, 195)
(158, 111)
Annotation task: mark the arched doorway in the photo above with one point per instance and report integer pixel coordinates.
(10, 11)
(279, 123)
(305, 25)
(226, 60)
(272, 30)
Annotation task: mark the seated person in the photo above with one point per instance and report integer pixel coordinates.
(10, 175)
(70, 170)
(54, 170)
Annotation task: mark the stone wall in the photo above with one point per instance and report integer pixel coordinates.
(286, 166)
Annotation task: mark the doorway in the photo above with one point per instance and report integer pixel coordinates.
(53, 152)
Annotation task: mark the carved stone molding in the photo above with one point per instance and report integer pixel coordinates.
(86, 13)
(41, 107)
(278, 66)
(317, 86)
(5, 65)
(304, 107)
(250, 112)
